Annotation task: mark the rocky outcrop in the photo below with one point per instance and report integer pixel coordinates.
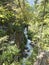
(42, 59)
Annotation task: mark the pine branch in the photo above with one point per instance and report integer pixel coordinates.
(4, 38)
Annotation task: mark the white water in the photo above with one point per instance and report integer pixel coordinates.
(28, 46)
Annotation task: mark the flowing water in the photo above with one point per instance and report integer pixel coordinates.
(29, 49)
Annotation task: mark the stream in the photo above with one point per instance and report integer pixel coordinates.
(28, 47)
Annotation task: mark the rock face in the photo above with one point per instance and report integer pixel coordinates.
(42, 59)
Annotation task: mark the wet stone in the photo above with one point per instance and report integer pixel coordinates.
(25, 55)
(32, 44)
(26, 47)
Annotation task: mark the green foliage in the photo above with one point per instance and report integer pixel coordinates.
(2, 33)
(14, 15)
(7, 55)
